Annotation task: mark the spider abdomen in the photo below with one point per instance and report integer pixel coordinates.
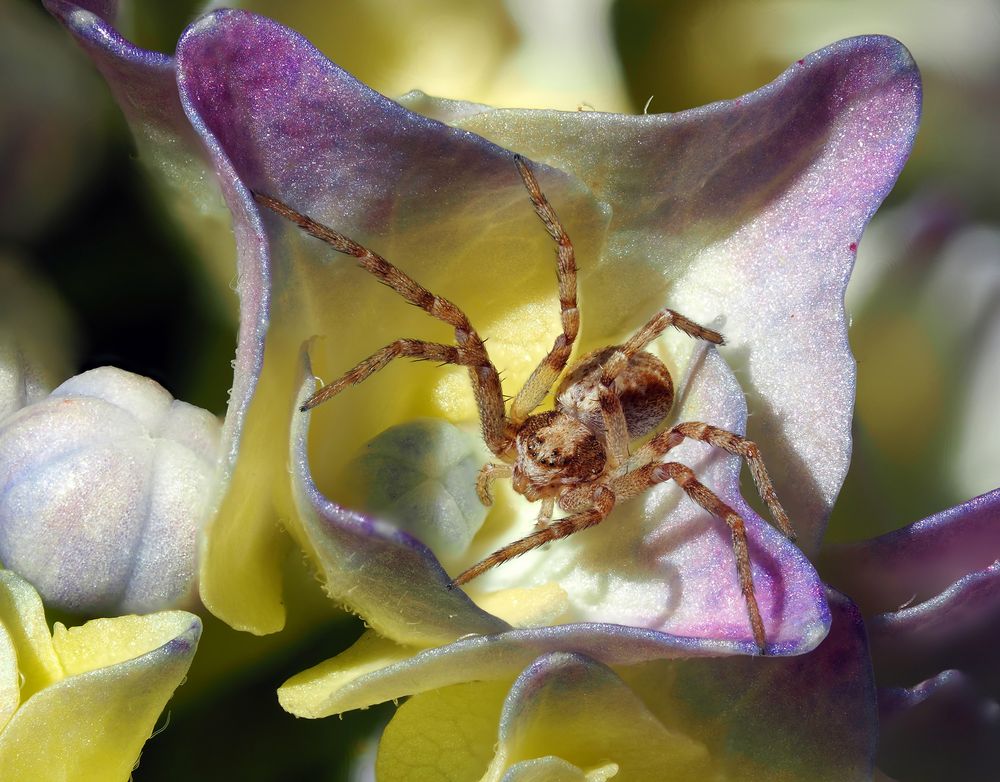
(644, 387)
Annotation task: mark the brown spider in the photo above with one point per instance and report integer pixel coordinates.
(577, 455)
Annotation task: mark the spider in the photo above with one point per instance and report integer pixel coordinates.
(577, 455)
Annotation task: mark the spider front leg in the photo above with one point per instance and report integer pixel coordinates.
(727, 441)
(482, 373)
(603, 500)
(547, 372)
(634, 483)
(408, 348)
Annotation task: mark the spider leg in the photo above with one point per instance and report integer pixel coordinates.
(401, 348)
(484, 376)
(635, 482)
(727, 441)
(488, 474)
(615, 426)
(547, 372)
(617, 437)
(603, 500)
(659, 323)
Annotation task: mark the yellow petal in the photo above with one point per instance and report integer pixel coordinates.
(21, 612)
(445, 734)
(244, 548)
(309, 693)
(573, 708)
(10, 681)
(90, 727)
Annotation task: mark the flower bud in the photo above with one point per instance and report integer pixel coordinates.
(104, 486)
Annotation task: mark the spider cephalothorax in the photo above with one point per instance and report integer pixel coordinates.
(577, 455)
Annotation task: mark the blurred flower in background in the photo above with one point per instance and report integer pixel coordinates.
(925, 332)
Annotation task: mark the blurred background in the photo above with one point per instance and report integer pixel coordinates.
(97, 246)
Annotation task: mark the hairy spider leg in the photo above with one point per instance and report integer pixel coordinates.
(472, 352)
(602, 499)
(547, 372)
(617, 437)
(638, 481)
(727, 441)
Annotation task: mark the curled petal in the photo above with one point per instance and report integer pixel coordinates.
(942, 728)
(919, 561)
(934, 591)
(950, 630)
(364, 561)
(104, 486)
(810, 717)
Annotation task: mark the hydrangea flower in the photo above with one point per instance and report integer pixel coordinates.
(744, 214)
(79, 703)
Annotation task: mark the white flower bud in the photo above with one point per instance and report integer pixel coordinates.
(103, 488)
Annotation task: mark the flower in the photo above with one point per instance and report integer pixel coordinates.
(931, 596)
(715, 211)
(104, 484)
(80, 703)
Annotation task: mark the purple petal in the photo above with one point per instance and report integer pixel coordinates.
(764, 199)
(141, 80)
(384, 574)
(919, 561)
(293, 124)
(809, 717)
(944, 728)
(955, 629)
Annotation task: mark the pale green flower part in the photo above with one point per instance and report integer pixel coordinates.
(104, 486)
(78, 704)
